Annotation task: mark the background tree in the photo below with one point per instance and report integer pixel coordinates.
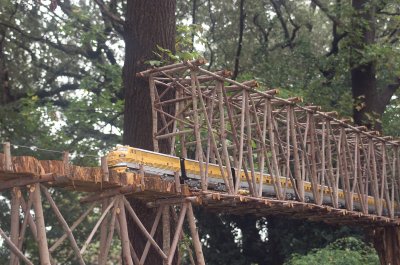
(148, 24)
(62, 84)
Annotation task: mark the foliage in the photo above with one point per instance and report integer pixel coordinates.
(343, 251)
(65, 93)
(230, 239)
(65, 84)
(184, 48)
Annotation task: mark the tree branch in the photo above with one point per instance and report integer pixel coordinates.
(68, 49)
(109, 14)
(389, 91)
(280, 17)
(264, 33)
(242, 17)
(324, 9)
(212, 31)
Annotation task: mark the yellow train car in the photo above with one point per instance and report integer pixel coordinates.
(126, 158)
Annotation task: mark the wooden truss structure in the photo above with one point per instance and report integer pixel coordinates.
(236, 125)
(32, 189)
(320, 168)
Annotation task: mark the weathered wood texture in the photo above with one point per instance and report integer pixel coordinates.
(28, 170)
(318, 168)
(387, 244)
(305, 154)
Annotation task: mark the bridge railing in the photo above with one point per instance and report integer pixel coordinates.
(275, 147)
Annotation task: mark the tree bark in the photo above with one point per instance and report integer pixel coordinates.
(363, 75)
(387, 244)
(5, 95)
(148, 23)
(370, 101)
(242, 17)
(369, 106)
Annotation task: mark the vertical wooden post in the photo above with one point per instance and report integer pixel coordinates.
(395, 178)
(323, 161)
(385, 194)
(126, 252)
(210, 150)
(253, 183)
(275, 165)
(103, 232)
(41, 227)
(181, 125)
(64, 224)
(297, 172)
(177, 233)
(104, 204)
(375, 180)
(66, 163)
(24, 225)
(153, 88)
(195, 235)
(178, 187)
(7, 156)
(199, 148)
(219, 88)
(103, 257)
(104, 169)
(174, 126)
(166, 224)
(214, 146)
(314, 177)
(15, 194)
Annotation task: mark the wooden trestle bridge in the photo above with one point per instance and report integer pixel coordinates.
(275, 157)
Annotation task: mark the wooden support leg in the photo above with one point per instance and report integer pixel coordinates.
(15, 194)
(65, 226)
(24, 226)
(14, 233)
(166, 230)
(177, 233)
(133, 252)
(110, 235)
(103, 231)
(14, 249)
(195, 236)
(41, 228)
(152, 232)
(126, 252)
(143, 229)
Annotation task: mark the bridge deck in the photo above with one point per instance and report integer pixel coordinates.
(294, 160)
(155, 190)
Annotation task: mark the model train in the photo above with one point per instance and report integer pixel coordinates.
(126, 158)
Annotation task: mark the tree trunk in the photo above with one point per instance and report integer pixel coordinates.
(148, 23)
(366, 109)
(5, 94)
(387, 244)
(369, 106)
(369, 100)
